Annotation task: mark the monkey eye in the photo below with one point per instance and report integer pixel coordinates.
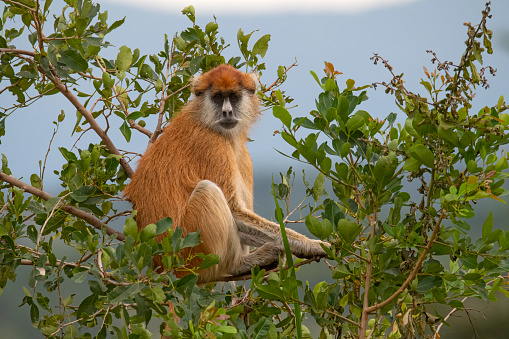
(217, 98)
(234, 97)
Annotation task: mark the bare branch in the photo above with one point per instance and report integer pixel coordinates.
(17, 51)
(92, 220)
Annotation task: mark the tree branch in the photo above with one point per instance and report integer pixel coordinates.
(416, 269)
(17, 51)
(93, 123)
(249, 276)
(92, 220)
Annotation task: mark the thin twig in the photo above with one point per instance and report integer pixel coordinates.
(53, 210)
(47, 152)
(13, 85)
(6, 204)
(159, 129)
(279, 79)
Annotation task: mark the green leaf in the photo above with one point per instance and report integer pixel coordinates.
(130, 228)
(261, 329)
(121, 293)
(283, 115)
(348, 230)
(261, 46)
(472, 276)
(316, 78)
(35, 181)
(423, 155)
(321, 229)
(192, 239)
(124, 59)
(449, 136)
(87, 306)
(148, 232)
(107, 80)
(354, 123)
(501, 164)
(330, 85)
(208, 260)
(340, 272)
(163, 225)
(194, 65)
(74, 61)
(34, 313)
(318, 186)
(384, 170)
(345, 149)
(83, 193)
(228, 329)
(126, 131)
(429, 282)
(349, 84)
(343, 107)
(456, 304)
(189, 12)
(487, 227)
(270, 292)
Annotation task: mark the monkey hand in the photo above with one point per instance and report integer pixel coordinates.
(311, 249)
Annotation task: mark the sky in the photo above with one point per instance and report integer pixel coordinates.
(268, 7)
(345, 33)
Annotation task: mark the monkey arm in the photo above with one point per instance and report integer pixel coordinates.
(255, 230)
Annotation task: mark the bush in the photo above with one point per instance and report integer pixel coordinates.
(393, 255)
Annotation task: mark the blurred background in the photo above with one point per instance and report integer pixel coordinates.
(343, 32)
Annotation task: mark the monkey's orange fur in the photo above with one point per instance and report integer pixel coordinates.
(187, 153)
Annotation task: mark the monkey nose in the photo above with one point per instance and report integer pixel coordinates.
(227, 113)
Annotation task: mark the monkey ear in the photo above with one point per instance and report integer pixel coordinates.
(195, 81)
(255, 78)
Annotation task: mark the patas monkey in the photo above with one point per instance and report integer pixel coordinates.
(199, 173)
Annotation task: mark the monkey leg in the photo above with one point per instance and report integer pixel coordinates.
(255, 230)
(208, 212)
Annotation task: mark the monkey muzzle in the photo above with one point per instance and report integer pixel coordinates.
(228, 122)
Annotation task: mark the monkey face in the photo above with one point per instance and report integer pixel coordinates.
(226, 100)
(226, 109)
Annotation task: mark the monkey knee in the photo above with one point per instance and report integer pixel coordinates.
(208, 188)
(206, 195)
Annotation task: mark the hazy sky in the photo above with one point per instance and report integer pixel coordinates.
(251, 7)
